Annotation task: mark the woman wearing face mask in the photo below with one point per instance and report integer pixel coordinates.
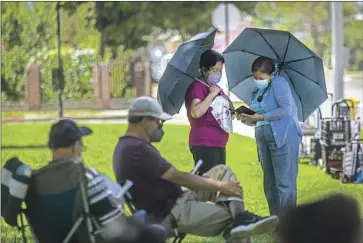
(278, 134)
(207, 137)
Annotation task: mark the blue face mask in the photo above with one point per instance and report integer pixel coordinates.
(261, 84)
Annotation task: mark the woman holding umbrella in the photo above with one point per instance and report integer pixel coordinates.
(278, 134)
(208, 137)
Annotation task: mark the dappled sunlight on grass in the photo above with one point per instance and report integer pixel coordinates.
(241, 157)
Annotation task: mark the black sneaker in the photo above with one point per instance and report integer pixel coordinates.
(248, 224)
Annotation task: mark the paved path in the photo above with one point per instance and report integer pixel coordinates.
(238, 127)
(352, 88)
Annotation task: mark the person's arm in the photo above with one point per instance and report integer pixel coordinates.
(156, 167)
(283, 98)
(191, 181)
(200, 106)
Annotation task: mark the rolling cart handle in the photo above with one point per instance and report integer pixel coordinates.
(335, 107)
(319, 123)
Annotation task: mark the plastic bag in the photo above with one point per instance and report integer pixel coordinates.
(222, 114)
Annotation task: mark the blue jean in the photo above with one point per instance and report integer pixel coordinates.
(280, 168)
(157, 230)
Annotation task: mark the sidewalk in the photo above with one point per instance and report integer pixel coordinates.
(238, 127)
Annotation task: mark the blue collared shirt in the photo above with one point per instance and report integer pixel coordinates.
(280, 110)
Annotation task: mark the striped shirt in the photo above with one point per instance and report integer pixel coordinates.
(104, 204)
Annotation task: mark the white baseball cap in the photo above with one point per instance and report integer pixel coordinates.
(146, 106)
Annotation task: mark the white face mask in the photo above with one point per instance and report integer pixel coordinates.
(261, 84)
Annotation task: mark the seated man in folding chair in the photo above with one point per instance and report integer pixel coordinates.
(52, 200)
(157, 184)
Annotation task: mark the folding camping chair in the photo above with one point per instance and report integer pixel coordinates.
(57, 205)
(178, 236)
(57, 196)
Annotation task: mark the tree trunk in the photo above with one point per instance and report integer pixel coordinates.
(114, 52)
(101, 51)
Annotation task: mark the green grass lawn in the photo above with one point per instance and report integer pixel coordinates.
(238, 104)
(241, 153)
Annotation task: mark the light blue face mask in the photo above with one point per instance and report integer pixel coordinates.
(261, 84)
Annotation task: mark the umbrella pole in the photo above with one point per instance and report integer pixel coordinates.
(226, 14)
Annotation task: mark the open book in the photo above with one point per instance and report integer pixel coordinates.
(243, 110)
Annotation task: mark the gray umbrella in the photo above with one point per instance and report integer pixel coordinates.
(182, 70)
(302, 68)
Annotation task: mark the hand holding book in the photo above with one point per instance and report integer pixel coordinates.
(243, 110)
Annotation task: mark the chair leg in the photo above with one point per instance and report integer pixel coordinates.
(23, 235)
(74, 229)
(181, 238)
(22, 228)
(86, 208)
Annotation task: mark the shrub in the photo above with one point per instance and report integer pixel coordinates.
(119, 75)
(78, 71)
(13, 66)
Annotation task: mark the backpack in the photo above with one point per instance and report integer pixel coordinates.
(15, 181)
(353, 160)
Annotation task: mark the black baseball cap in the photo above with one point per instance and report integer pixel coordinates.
(65, 132)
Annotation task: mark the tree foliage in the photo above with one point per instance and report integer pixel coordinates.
(314, 18)
(116, 30)
(78, 71)
(127, 23)
(26, 29)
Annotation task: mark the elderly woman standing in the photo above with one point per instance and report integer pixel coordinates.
(278, 134)
(208, 137)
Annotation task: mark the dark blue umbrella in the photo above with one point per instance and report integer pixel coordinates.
(182, 70)
(301, 67)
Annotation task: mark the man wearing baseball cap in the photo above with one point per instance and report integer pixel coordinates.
(65, 142)
(65, 139)
(157, 184)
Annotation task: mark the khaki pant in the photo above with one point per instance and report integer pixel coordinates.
(204, 213)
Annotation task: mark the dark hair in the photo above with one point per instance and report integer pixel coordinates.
(135, 119)
(263, 65)
(335, 219)
(209, 59)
